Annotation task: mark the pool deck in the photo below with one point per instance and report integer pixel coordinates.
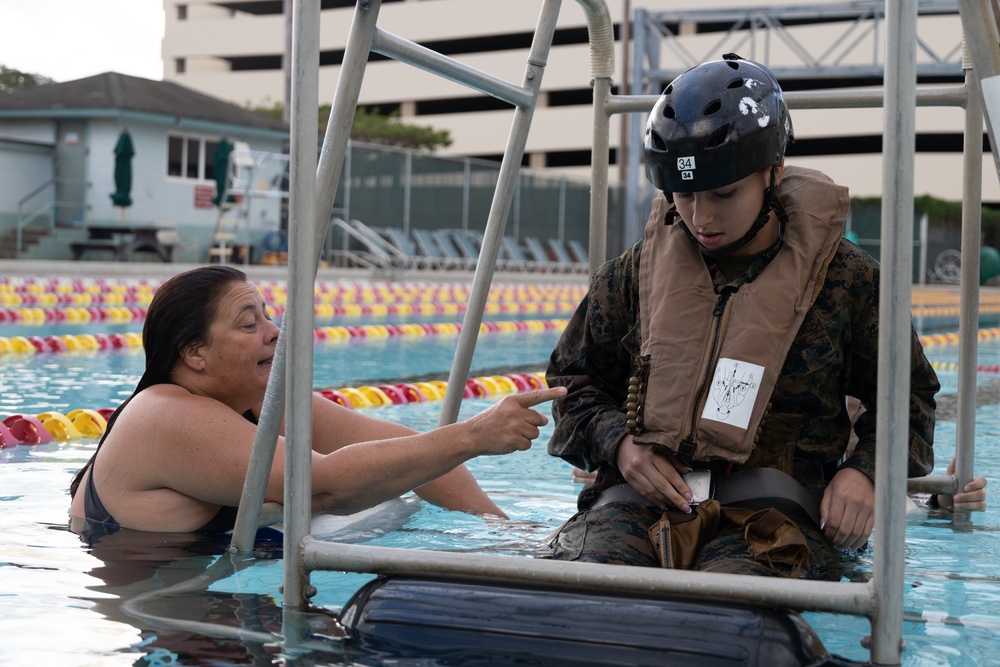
(161, 270)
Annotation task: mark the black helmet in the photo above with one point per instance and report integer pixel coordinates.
(715, 124)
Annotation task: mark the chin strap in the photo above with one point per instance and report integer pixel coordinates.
(771, 203)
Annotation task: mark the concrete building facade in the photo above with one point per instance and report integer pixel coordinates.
(234, 50)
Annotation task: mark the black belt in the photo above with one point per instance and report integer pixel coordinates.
(752, 488)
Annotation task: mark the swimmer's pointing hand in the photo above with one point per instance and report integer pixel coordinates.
(510, 425)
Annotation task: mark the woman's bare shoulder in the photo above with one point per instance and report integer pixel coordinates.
(172, 409)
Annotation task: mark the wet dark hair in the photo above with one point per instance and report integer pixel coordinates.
(178, 317)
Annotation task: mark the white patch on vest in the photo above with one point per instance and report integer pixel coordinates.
(733, 392)
(749, 106)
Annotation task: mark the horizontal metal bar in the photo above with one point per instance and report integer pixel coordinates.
(933, 484)
(827, 11)
(931, 96)
(431, 61)
(936, 96)
(798, 594)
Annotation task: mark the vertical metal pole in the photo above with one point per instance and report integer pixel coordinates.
(506, 183)
(301, 276)
(968, 325)
(626, 119)
(347, 181)
(286, 63)
(892, 421)
(922, 262)
(516, 212)
(645, 44)
(407, 181)
(979, 28)
(561, 231)
(466, 186)
(345, 103)
(598, 243)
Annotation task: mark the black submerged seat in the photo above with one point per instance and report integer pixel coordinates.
(447, 623)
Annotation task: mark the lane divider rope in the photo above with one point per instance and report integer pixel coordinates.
(90, 424)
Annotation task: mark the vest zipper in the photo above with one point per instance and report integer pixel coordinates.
(689, 443)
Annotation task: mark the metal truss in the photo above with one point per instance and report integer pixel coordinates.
(663, 44)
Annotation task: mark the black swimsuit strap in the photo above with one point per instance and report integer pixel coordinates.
(93, 508)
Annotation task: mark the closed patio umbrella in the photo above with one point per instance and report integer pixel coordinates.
(220, 169)
(124, 151)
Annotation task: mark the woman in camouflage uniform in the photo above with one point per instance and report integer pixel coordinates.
(728, 339)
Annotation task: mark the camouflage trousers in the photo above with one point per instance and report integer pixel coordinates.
(618, 533)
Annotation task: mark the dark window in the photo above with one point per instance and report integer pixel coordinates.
(182, 12)
(180, 65)
(175, 155)
(191, 159)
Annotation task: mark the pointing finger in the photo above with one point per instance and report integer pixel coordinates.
(531, 398)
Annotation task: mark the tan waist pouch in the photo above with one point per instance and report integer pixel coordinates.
(771, 537)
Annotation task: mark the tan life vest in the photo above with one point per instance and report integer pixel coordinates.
(708, 365)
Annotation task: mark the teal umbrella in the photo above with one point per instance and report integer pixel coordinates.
(220, 169)
(123, 171)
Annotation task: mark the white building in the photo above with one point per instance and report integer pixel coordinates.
(57, 152)
(234, 50)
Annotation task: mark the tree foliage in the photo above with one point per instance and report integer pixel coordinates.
(942, 214)
(12, 80)
(374, 128)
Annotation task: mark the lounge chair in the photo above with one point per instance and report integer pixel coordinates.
(463, 243)
(368, 248)
(428, 244)
(563, 256)
(580, 253)
(470, 243)
(402, 242)
(446, 242)
(513, 257)
(535, 251)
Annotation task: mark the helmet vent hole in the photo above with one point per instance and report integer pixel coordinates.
(712, 107)
(669, 89)
(658, 143)
(668, 112)
(735, 83)
(718, 138)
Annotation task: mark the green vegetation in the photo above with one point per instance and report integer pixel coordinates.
(941, 214)
(12, 80)
(374, 128)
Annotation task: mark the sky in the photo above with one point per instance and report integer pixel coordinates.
(72, 39)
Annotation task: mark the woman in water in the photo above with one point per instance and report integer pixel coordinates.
(175, 454)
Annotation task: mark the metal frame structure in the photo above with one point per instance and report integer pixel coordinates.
(313, 190)
(659, 54)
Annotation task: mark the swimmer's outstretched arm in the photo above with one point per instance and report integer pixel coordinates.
(456, 490)
(363, 461)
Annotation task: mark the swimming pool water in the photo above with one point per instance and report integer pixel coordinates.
(51, 585)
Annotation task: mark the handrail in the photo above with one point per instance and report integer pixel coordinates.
(23, 200)
(25, 220)
(840, 597)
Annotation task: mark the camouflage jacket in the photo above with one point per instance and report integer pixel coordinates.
(833, 356)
